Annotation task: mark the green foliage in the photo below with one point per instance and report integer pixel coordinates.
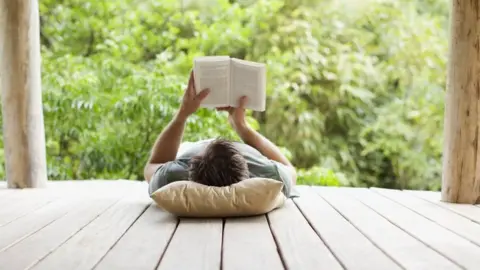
(320, 177)
(353, 86)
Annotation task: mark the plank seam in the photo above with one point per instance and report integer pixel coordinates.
(442, 206)
(413, 236)
(121, 236)
(223, 240)
(279, 251)
(73, 234)
(319, 235)
(31, 211)
(360, 231)
(167, 245)
(439, 224)
(32, 232)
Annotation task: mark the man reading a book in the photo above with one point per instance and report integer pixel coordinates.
(215, 162)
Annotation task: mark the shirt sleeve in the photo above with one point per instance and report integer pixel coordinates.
(285, 176)
(167, 173)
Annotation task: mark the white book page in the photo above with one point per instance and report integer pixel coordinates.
(248, 79)
(213, 72)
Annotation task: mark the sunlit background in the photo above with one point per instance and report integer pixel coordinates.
(355, 88)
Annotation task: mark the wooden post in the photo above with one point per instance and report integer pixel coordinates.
(461, 155)
(20, 83)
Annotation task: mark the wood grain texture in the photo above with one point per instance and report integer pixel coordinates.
(87, 247)
(447, 219)
(31, 199)
(469, 211)
(461, 160)
(348, 244)
(20, 83)
(31, 223)
(407, 251)
(449, 244)
(103, 225)
(196, 244)
(298, 243)
(37, 198)
(5, 193)
(252, 238)
(35, 247)
(143, 244)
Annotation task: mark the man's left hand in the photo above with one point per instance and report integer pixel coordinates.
(236, 115)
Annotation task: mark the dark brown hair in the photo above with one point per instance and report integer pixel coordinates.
(221, 164)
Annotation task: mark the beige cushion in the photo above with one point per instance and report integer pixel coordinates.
(252, 196)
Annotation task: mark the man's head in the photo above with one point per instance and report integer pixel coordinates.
(221, 164)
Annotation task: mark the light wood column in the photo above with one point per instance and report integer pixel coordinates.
(20, 84)
(461, 155)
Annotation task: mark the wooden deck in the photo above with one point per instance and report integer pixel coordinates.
(113, 225)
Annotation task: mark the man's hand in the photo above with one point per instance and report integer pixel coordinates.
(237, 115)
(191, 100)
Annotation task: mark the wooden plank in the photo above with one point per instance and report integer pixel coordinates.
(35, 247)
(4, 194)
(86, 248)
(248, 244)
(39, 210)
(29, 224)
(144, 243)
(447, 219)
(399, 245)
(4, 190)
(432, 196)
(456, 248)
(21, 86)
(196, 244)
(348, 244)
(23, 202)
(471, 212)
(299, 244)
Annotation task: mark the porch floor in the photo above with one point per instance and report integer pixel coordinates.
(114, 225)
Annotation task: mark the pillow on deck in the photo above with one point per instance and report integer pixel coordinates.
(249, 197)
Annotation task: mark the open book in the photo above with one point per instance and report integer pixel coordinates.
(228, 80)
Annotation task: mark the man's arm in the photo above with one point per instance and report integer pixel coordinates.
(166, 146)
(266, 147)
(262, 144)
(255, 139)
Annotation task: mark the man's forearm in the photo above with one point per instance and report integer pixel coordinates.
(262, 144)
(166, 146)
(266, 147)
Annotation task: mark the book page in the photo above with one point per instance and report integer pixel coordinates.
(248, 79)
(213, 72)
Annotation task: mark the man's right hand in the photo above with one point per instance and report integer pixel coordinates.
(191, 100)
(236, 115)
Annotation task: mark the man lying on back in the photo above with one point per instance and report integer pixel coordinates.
(215, 162)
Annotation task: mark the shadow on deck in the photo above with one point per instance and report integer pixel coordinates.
(113, 225)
